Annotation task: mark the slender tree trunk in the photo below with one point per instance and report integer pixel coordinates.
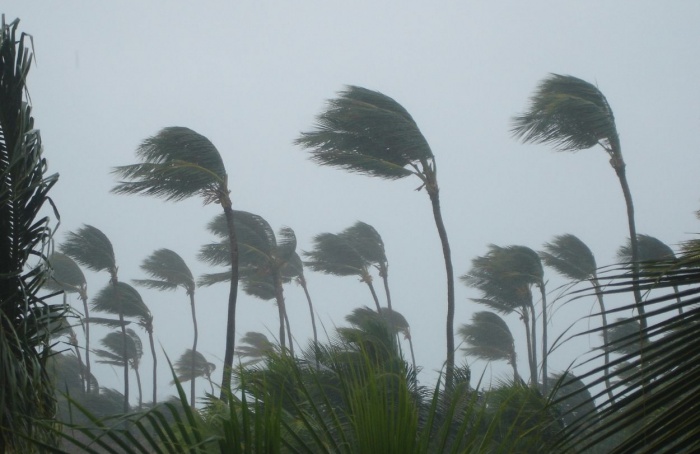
(433, 192)
(606, 338)
(619, 165)
(302, 282)
(138, 384)
(678, 299)
(514, 363)
(281, 309)
(233, 294)
(155, 364)
(368, 281)
(533, 328)
(413, 360)
(384, 274)
(86, 324)
(125, 355)
(289, 331)
(545, 348)
(528, 334)
(194, 349)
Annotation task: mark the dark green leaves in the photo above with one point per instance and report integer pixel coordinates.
(168, 271)
(570, 257)
(91, 248)
(367, 132)
(569, 113)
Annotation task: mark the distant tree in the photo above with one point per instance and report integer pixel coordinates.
(112, 354)
(202, 367)
(168, 271)
(178, 163)
(574, 115)
(335, 254)
(367, 132)
(255, 347)
(489, 338)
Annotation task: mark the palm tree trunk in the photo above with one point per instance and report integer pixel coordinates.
(619, 165)
(86, 324)
(514, 363)
(528, 334)
(279, 297)
(368, 280)
(533, 335)
(302, 282)
(138, 383)
(194, 350)
(233, 294)
(384, 274)
(126, 363)
(289, 330)
(545, 350)
(155, 365)
(433, 192)
(606, 340)
(678, 299)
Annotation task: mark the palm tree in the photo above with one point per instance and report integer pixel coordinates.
(295, 270)
(505, 276)
(90, 247)
(367, 241)
(256, 346)
(178, 163)
(570, 257)
(334, 254)
(67, 276)
(168, 271)
(114, 356)
(367, 132)
(489, 338)
(653, 253)
(574, 115)
(262, 259)
(125, 301)
(202, 367)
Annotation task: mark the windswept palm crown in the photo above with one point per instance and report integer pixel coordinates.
(90, 247)
(570, 257)
(367, 132)
(489, 338)
(178, 163)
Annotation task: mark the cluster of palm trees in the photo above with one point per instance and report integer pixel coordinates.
(355, 392)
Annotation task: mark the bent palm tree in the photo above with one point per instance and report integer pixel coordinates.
(202, 367)
(262, 260)
(256, 346)
(367, 132)
(114, 356)
(67, 276)
(367, 241)
(168, 271)
(489, 338)
(573, 115)
(334, 254)
(295, 270)
(571, 258)
(178, 163)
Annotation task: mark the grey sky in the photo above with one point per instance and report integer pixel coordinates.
(251, 75)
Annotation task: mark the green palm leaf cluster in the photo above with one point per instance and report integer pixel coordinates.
(489, 338)
(113, 355)
(25, 236)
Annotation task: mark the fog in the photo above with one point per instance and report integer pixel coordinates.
(251, 76)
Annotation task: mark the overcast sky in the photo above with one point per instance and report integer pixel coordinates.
(252, 75)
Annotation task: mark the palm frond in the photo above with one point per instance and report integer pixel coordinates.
(183, 366)
(333, 254)
(122, 299)
(569, 113)
(488, 337)
(167, 270)
(177, 163)
(652, 251)
(91, 248)
(570, 257)
(366, 132)
(66, 275)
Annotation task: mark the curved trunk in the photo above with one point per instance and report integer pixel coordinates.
(231, 316)
(138, 384)
(528, 334)
(194, 349)
(433, 192)
(514, 363)
(545, 350)
(155, 364)
(126, 364)
(678, 299)
(606, 340)
(384, 274)
(413, 361)
(302, 282)
(533, 340)
(282, 310)
(289, 330)
(368, 281)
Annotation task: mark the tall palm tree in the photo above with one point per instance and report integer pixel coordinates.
(202, 367)
(168, 271)
(67, 276)
(90, 247)
(113, 354)
(367, 132)
(262, 259)
(367, 241)
(178, 163)
(489, 338)
(334, 254)
(570, 257)
(653, 253)
(505, 276)
(573, 115)
(125, 301)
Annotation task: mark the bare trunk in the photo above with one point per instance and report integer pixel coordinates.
(194, 350)
(368, 281)
(606, 340)
(86, 324)
(302, 282)
(155, 365)
(545, 350)
(384, 274)
(231, 316)
(528, 334)
(138, 384)
(125, 355)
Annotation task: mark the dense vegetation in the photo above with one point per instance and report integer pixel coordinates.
(356, 391)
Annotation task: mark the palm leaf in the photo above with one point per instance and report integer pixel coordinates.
(91, 248)
(66, 275)
(120, 298)
(167, 270)
(570, 257)
(488, 337)
(333, 254)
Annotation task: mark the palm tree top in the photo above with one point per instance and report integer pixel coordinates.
(66, 275)
(114, 353)
(570, 114)
(488, 337)
(91, 248)
(570, 257)
(651, 249)
(168, 271)
(367, 132)
(367, 241)
(123, 299)
(177, 163)
(333, 254)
